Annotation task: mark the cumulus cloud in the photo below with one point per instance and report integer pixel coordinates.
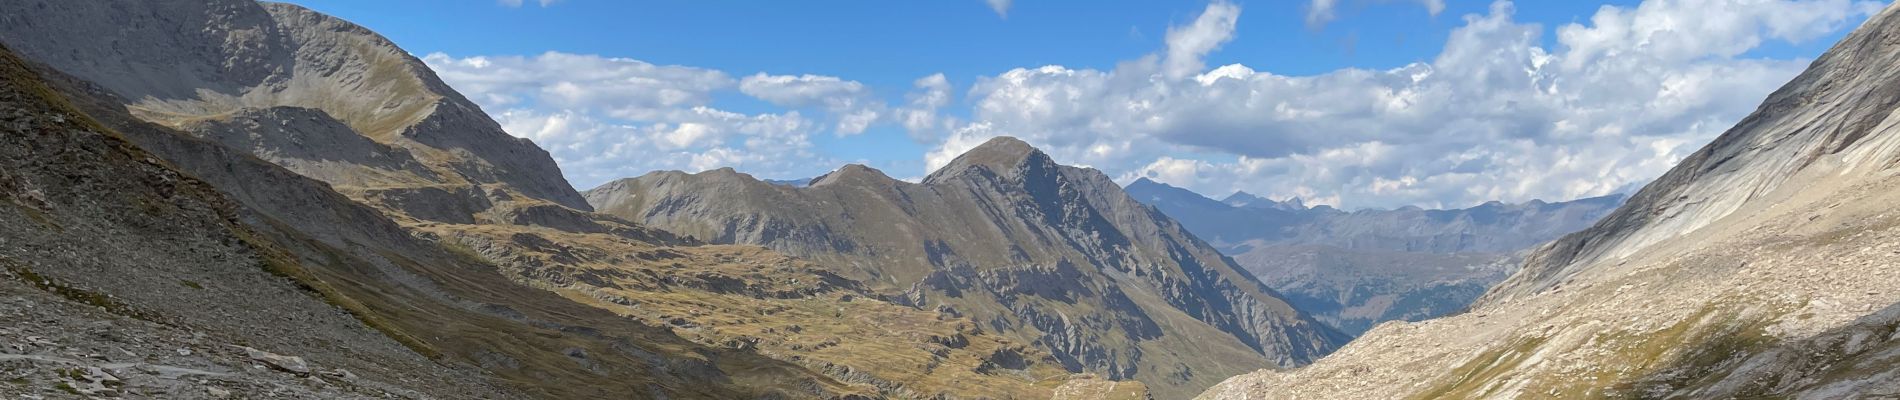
(604, 118)
(1495, 116)
(1507, 110)
(850, 100)
(920, 116)
(1188, 44)
(623, 87)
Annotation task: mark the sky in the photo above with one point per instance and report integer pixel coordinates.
(1350, 103)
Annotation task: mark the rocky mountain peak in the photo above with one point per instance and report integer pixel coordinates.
(1002, 155)
(854, 173)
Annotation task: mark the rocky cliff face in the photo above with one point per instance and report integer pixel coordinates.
(283, 82)
(1762, 266)
(1050, 254)
(1357, 269)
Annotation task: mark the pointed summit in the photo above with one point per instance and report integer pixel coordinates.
(998, 155)
(852, 173)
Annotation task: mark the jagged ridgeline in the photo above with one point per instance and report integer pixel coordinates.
(200, 175)
(1765, 265)
(1048, 254)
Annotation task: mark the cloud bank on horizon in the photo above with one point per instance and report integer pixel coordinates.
(1495, 115)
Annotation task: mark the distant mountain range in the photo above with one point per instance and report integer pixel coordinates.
(1356, 269)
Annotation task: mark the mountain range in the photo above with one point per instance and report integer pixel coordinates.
(265, 199)
(1048, 254)
(235, 199)
(1357, 269)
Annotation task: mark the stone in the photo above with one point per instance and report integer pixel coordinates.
(292, 364)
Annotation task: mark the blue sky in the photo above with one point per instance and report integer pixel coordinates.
(877, 52)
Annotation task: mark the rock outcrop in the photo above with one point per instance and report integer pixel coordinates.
(1050, 254)
(1354, 270)
(282, 81)
(1763, 266)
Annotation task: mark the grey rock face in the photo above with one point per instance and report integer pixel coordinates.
(1052, 254)
(1832, 117)
(255, 77)
(1354, 270)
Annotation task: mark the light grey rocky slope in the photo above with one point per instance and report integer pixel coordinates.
(1763, 266)
(1353, 270)
(230, 70)
(123, 276)
(1054, 255)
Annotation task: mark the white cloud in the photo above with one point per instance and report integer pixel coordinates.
(1188, 44)
(1000, 6)
(1498, 114)
(851, 101)
(623, 87)
(802, 90)
(1319, 12)
(1495, 116)
(920, 117)
(605, 118)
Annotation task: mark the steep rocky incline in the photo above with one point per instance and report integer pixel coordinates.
(1048, 254)
(1357, 269)
(124, 276)
(1828, 124)
(1760, 267)
(287, 84)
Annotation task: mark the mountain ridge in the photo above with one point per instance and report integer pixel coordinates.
(1357, 269)
(1052, 254)
(472, 267)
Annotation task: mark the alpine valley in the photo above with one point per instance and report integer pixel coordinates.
(210, 199)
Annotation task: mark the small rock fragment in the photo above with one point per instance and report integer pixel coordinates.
(291, 364)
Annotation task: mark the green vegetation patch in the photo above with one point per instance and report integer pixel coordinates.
(1475, 377)
(82, 296)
